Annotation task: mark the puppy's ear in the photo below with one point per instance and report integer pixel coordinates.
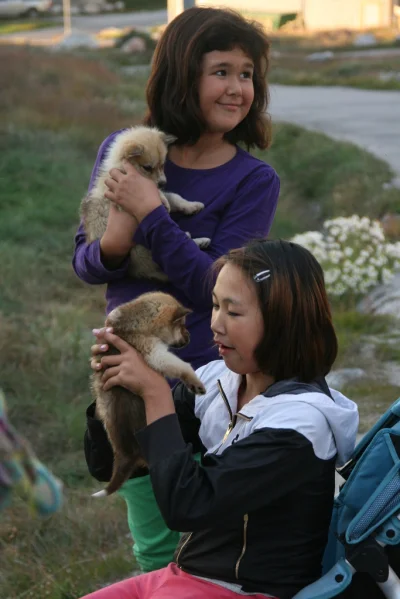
(180, 313)
(169, 139)
(136, 150)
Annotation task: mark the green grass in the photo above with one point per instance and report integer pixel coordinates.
(23, 26)
(322, 178)
(51, 128)
(373, 399)
(364, 73)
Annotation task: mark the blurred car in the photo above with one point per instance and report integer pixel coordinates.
(26, 8)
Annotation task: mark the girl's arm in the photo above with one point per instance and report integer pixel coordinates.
(247, 476)
(105, 260)
(98, 451)
(250, 215)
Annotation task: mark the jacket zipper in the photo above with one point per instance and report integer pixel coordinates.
(182, 546)
(245, 522)
(232, 418)
(231, 426)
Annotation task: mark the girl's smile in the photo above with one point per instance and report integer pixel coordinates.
(226, 90)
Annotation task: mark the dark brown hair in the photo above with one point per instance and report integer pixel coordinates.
(299, 340)
(172, 89)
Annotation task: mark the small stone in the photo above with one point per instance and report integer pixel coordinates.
(384, 299)
(365, 39)
(337, 379)
(391, 225)
(77, 39)
(134, 45)
(320, 56)
(389, 76)
(392, 373)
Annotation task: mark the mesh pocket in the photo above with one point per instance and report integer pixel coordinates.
(384, 504)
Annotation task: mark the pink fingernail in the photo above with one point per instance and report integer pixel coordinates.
(103, 347)
(109, 330)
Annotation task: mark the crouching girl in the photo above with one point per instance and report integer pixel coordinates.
(256, 511)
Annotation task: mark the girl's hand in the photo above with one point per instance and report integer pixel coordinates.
(136, 194)
(126, 369)
(117, 240)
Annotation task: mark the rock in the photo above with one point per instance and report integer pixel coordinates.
(392, 373)
(133, 69)
(365, 39)
(134, 45)
(391, 225)
(93, 8)
(77, 39)
(110, 33)
(393, 184)
(384, 299)
(320, 56)
(337, 379)
(389, 76)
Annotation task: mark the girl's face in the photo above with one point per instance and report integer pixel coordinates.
(226, 90)
(237, 321)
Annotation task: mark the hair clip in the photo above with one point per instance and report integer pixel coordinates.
(261, 276)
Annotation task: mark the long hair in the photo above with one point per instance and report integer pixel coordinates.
(172, 88)
(299, 339)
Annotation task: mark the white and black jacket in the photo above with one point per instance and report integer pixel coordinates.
(257, 509)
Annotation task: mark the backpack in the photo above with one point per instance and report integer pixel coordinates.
(364, 538)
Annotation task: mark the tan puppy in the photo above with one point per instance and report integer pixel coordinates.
(151, 324)
(146, 149)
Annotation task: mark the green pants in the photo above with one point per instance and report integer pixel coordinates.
(154, 543)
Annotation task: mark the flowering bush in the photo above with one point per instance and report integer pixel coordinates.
(353, 253)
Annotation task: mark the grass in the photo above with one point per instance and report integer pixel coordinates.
(322, 179)
(55, 110)
(23, 26)
(289, 65)
(374, 72)
(288, 39)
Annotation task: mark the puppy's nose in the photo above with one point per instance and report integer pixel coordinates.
(162, 183)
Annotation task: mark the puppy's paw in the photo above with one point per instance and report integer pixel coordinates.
(191, 208)
(194, 384)
(202, 242)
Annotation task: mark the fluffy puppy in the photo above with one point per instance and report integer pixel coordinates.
(146, 149)
(151, 323)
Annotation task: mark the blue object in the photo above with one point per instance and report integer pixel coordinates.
(365, 512)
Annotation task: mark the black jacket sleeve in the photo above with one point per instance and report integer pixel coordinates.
(98, 451)
(249, 475)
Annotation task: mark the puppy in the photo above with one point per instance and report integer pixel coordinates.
(146, 149)
(151, 323)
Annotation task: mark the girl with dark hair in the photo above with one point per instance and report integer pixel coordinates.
(208, 88)
(256, 511)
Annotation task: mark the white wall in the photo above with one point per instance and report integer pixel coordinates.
(267, 6)
(347, 14)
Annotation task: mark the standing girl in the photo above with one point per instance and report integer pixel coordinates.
(208, 88)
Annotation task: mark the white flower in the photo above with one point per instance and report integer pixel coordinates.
(353, 253)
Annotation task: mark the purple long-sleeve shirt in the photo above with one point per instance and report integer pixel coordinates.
(240, 199)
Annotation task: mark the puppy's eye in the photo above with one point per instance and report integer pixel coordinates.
(148, 168)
